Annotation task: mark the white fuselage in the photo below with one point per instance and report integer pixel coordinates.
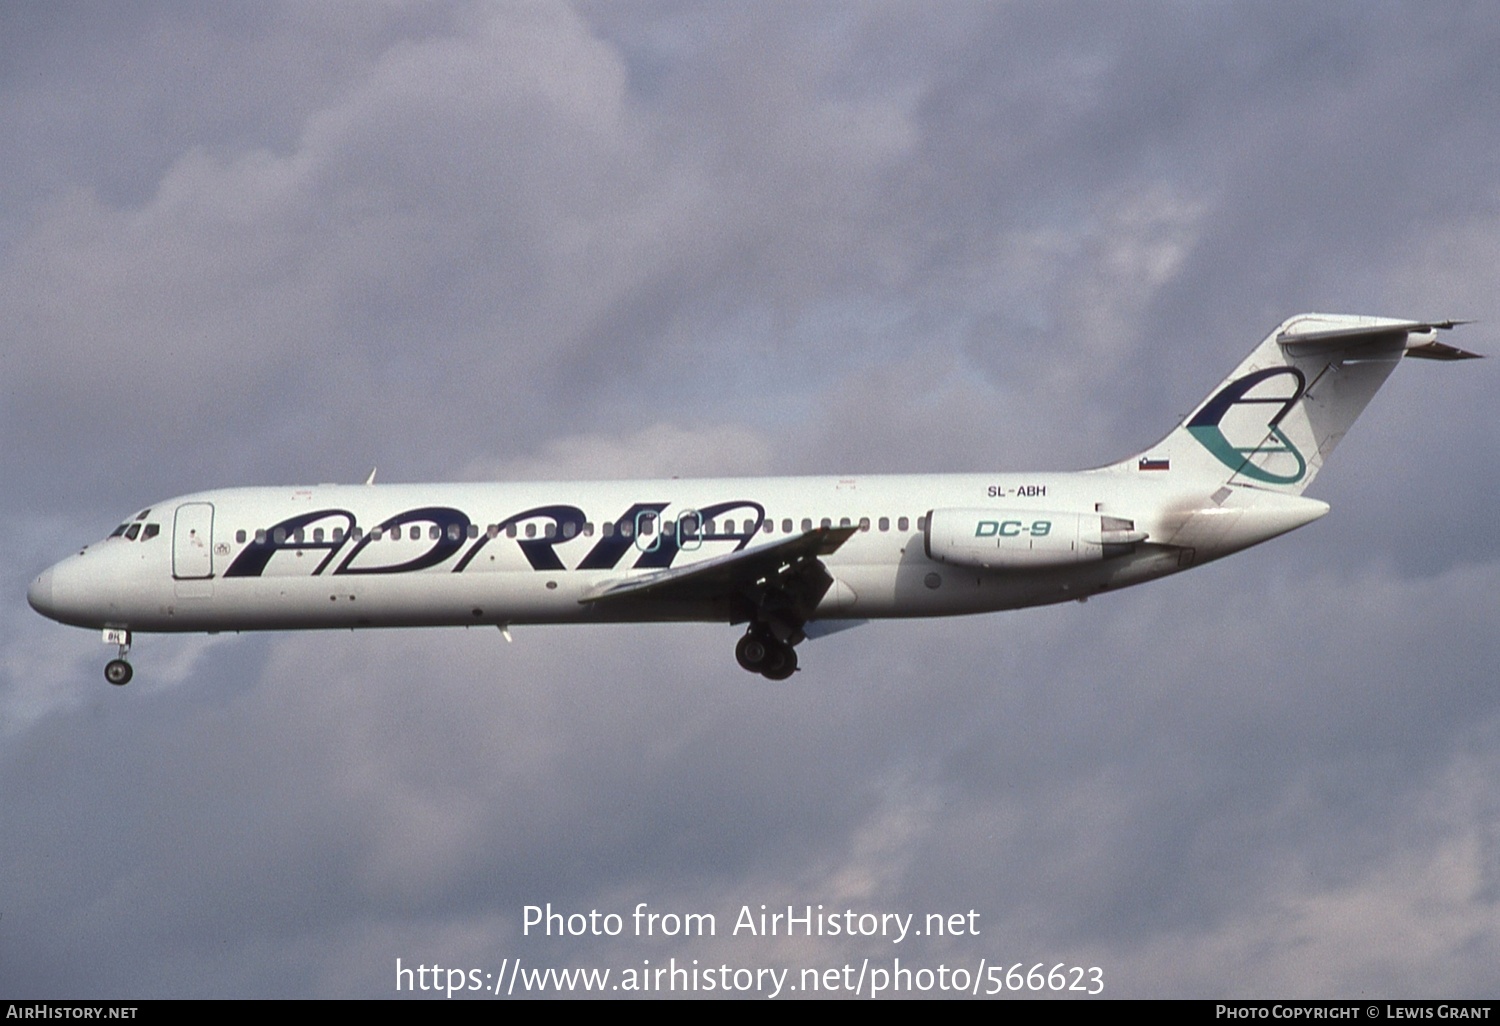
(453, 554)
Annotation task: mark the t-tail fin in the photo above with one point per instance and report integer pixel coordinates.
(1273, 422)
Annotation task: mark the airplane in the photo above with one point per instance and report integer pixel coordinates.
(790, 558)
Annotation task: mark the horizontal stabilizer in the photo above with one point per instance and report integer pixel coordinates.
(1419, 340)
(1441, 351)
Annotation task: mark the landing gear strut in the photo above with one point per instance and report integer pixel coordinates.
(117, 671)
(760, 651)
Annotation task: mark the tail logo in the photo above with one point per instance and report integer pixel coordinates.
(1244, 440)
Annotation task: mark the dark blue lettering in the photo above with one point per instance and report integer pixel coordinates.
(443, 546)
(662, 556)
(253, 559)
(610, 550)
(538, 551)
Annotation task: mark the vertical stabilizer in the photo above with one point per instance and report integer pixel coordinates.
(1273, 422)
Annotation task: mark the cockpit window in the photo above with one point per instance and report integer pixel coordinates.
(152, 530)
(118, 531)
(134, 530)
(142, 514)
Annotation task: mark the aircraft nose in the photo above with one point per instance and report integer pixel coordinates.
(82, 590)
(39, 594)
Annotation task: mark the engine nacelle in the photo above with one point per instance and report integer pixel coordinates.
(998, 539)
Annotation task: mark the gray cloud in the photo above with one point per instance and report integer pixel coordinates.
(286, 244)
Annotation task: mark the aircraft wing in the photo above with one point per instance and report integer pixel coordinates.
(786, 576)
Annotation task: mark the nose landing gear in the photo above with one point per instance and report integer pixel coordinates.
(117, 671)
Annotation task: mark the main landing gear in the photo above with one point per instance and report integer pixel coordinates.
(117, 671)
(760, 651)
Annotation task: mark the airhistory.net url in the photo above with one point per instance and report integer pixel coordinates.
(671, 977)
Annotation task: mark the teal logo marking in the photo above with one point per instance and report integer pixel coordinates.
(1205, 425)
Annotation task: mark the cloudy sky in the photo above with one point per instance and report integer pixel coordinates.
(267, 243)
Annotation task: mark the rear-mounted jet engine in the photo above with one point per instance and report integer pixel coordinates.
(1003, 539)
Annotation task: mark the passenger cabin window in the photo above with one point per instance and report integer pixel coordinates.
(885, 523)
(239, 536)
(901, 523)
(786, 525)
